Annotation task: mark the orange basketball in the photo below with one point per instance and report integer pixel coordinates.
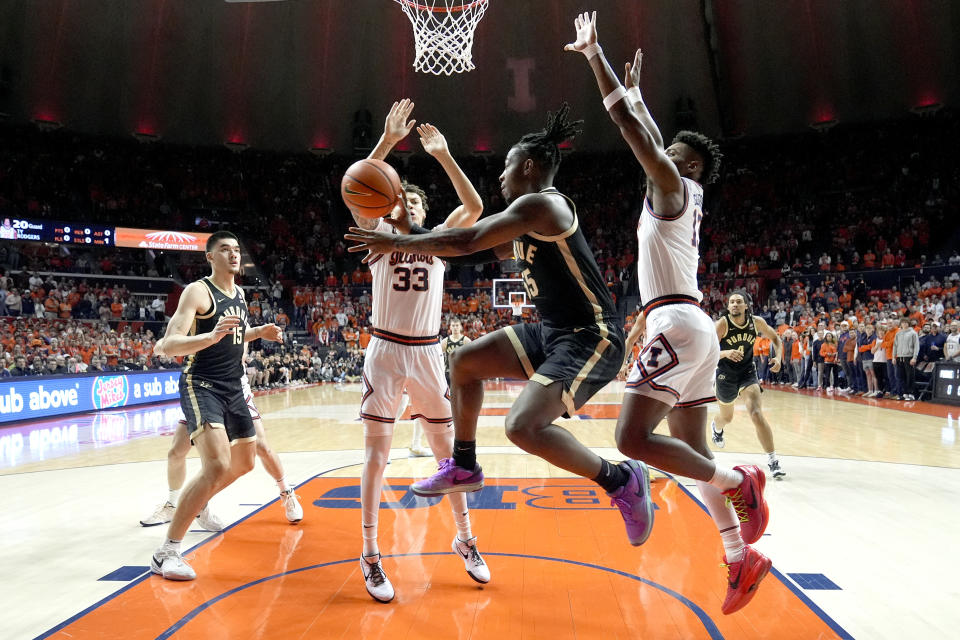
(369, 188)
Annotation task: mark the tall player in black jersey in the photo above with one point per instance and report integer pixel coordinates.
(737, 373)
(568, 357)
(210, 327)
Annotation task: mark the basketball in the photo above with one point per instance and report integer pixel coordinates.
(369, 188)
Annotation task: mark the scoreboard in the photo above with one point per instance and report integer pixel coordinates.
(39, 230)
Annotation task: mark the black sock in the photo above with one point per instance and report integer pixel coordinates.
(465, 453)
(611, 477)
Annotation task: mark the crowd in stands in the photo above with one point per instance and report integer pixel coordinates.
(804, 208)
(840, 338)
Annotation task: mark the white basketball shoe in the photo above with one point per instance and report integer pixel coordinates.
(472, 560)
(378, 584)
(162, 515)
(170, 564)
(208, 521)
(291, 506)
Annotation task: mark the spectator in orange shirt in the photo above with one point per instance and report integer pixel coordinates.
(116, 310)
(282, 319)
(831, 372)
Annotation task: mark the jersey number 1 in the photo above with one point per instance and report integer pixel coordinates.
(697, 218)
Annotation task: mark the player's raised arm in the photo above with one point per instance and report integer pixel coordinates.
(471, 206)
(176, 342)
(646, 146)
(631, 81)
(396, 127)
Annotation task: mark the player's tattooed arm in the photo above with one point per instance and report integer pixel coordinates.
(531, 212)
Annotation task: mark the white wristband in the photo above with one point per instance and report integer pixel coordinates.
(591, 50)
(634, 94)
(614, 97)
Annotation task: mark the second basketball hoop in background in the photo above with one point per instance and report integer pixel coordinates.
(443, 33)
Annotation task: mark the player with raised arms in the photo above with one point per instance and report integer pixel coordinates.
(405, 349)
(673, 376)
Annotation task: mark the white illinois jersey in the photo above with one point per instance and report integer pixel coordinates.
(669, 248)
(407, 292)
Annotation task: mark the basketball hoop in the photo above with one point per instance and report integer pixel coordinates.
(443, 33)
(517, 307)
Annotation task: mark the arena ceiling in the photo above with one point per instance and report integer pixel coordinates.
(294, 74)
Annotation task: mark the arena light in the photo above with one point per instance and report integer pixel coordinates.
(321, 151)
(824, 125)
(236, 146)
(928, 109)
(47, 124)
(145, 137)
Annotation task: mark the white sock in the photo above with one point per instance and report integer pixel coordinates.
(377, 452)
(461, 515)
(714, 428)
(724, 479)
(282, 483)
(174, 496)
(417, 432)
(171, 545)
(725, 517)
(772, 457)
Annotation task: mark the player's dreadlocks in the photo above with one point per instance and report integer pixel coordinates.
(707, 149)
(542, 145)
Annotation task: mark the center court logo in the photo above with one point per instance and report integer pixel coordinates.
(109, 391)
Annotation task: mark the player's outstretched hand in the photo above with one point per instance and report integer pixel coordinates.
(226, 324)
(272, 332)
(432, 140)
(158, 348)
(372, 241)
(396, 127)
(586, 24)
(631, 74)
(774, 364)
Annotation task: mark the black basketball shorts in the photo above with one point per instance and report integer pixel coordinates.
(206, 404)
(729, 384)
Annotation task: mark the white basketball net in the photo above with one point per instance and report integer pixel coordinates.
(443, 33)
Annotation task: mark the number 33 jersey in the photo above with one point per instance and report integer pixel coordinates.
(407, 291)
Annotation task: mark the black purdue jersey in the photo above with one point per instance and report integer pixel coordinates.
(740, 338)
(562, 278)
(452, 345)
(220, 363)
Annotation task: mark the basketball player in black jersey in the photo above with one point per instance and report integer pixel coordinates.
(569, 356)
(737, 373)
(452, 342)
(210, 327)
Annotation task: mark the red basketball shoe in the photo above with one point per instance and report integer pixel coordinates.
(749, 503)
(743, 578)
